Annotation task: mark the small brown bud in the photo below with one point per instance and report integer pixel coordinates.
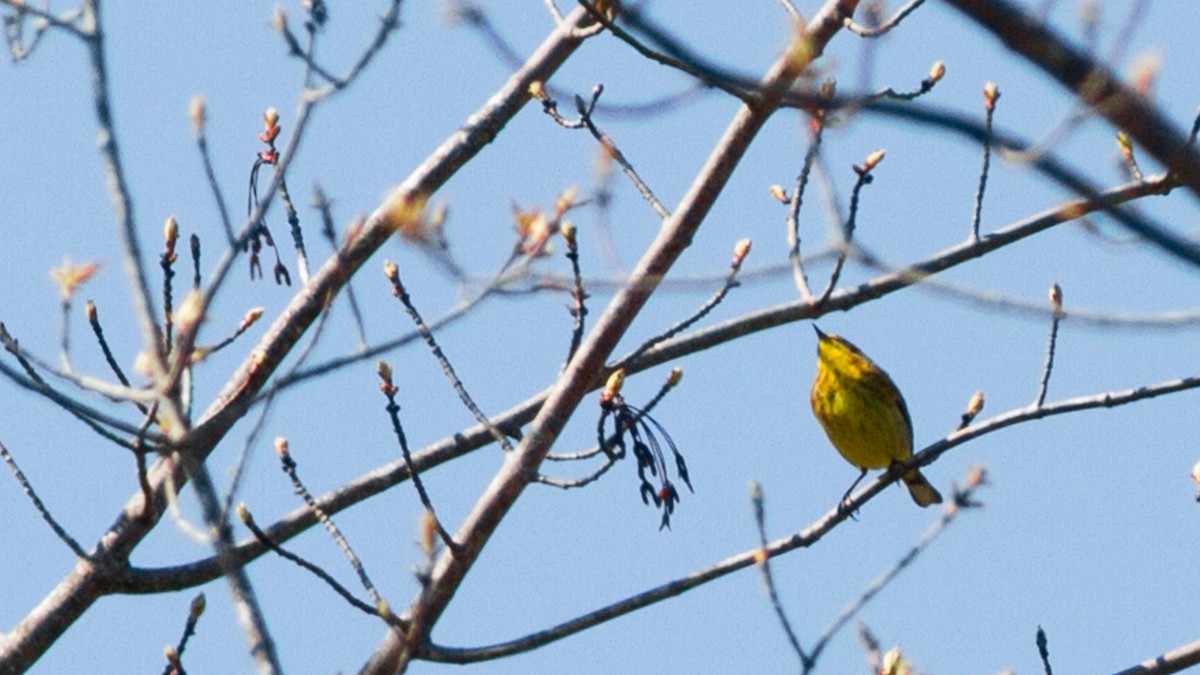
(198, 111)
(609, 8)
(437, 218)
(894, 663)
(613, 386)
(873, 160)
(385, 375)
(1126, 145)
(251, 317)
(171, 231)
(198, 605)
(779, 193)
(977, 476)
(975, 405)
(741, 250)
(1145, 72)
(428, 532)
(143, 363)
(675, 376)
(188, 314)
(406, 214)
(1056, 298)
(566, 200)
(938, 71)
(991, 94)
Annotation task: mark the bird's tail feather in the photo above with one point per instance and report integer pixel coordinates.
(923, 493)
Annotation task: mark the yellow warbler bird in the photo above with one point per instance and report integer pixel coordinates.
(864, 414)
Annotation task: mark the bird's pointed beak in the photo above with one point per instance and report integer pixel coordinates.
(820, 333)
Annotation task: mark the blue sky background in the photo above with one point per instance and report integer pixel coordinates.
(1084, 530)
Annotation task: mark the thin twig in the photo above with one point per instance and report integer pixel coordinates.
(768, 579)
(963, 499)
(66, 21)
(679, 58)
(189, 629)
(459, 311)
(199, 116)
(265, 540)
(865, 177)
(1043, 646)
(797, 200)
(571, 483)
(243, 460)
(791, 10)
(392, 272)
(1056, 303)
(477, 18)
(393, 409)
(27, 487)
(388, 23)
(246, 607)
(297, 234)
(1131, 163)
(248, 320)
(34, 382)
(306, 55)
(888, 93)
(554, 13)
(139, 454)
(64, 345)
(990, 95)
(166, 261)
(251, 441)
(194, 241)
(323, 206)
(740, 251)
(122, 201)
(289, 467)
(585, 110)
(578, 295)
(891, 23)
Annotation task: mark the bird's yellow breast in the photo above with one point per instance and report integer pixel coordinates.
(868, 425)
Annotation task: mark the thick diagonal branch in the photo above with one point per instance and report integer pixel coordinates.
(520, 467)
